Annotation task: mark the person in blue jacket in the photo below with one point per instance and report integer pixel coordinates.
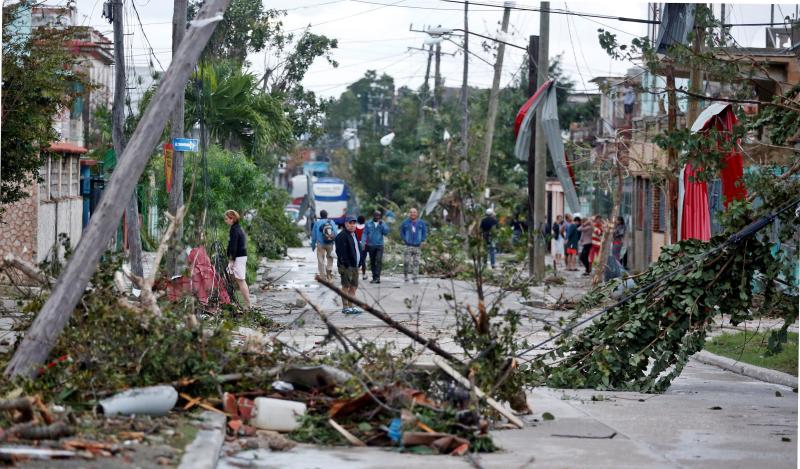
(323, 233)
(374, 232)
(413, 232)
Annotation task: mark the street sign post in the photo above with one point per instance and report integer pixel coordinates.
(185, 144)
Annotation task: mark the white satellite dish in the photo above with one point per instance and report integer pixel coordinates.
(386, 140)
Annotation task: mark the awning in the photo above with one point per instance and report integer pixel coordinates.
(66, 147)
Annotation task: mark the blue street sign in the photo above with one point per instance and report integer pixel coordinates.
(185, 144)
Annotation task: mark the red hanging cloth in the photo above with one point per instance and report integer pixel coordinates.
(732, 169)
(695, 217)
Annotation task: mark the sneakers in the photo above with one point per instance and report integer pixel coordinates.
(405, 279)
(351, 310)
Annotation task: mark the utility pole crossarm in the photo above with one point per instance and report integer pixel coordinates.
(43, 334)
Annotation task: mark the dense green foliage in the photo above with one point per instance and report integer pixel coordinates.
(31, 100)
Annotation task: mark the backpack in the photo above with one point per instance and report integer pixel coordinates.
(326, 230)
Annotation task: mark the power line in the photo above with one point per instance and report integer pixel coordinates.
(346, 17)
(558, 11)
(141, 27)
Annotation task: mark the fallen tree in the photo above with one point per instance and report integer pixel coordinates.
(642, 342)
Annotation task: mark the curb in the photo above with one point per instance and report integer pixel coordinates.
(752, 371)
(205, 449)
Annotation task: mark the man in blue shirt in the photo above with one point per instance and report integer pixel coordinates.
(374, 232)
(413, 232)
(323, 233)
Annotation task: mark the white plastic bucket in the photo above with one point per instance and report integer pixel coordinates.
(277, 414)
(153, 400)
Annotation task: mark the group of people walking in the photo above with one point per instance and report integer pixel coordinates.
(574, 238)
(358, 240)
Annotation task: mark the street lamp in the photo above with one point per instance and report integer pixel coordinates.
(440, 33)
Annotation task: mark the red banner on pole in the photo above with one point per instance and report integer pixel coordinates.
(168, 165)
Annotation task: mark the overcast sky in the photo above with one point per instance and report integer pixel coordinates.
(374, 34)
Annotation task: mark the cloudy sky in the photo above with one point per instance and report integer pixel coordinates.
(374, 34)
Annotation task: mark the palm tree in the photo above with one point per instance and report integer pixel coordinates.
(236, 113)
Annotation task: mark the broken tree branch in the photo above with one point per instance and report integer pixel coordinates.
(478, 392)
(30, 270)
(333, 330)
(148, 299)
(54, 315)
(429, 344)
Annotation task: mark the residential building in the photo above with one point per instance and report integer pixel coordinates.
(53, 211)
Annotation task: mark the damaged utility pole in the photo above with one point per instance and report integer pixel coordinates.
(43, 334)
(118, 136)
(176, 131)
(493, 99)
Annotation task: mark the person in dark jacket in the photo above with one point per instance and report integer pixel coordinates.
(488, 224)
(374, 233)
(237, 255)
(349, 259)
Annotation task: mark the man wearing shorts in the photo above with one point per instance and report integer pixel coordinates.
(350, 258)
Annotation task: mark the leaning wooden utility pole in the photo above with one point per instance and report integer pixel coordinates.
(533, 74)
(493, 98)
(118, 136)
(176, 131)
(43, 334)
(540, 163)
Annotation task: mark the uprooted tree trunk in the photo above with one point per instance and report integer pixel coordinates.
(43, 334)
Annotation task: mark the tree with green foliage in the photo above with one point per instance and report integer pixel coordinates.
(237, 115)
(40, 79)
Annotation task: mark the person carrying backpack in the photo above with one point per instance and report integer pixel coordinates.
(323, 233)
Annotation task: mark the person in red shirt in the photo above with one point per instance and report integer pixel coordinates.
(359, 234)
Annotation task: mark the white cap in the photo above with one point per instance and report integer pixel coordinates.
(489, 211)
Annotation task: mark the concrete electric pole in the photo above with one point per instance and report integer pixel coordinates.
(465, 94)
(118, 136)
(533, 66)
(176, 131)
(540, 163)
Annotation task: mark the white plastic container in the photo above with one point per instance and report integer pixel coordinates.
(152, 400)
(277, 414)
